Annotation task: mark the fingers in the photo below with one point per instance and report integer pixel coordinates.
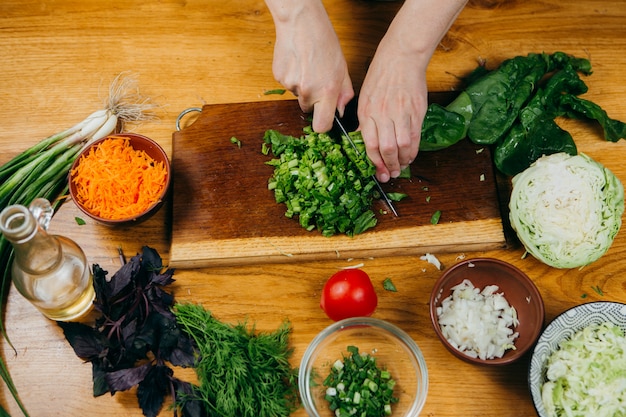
(324, 108)
(391, 144)
(323, 114)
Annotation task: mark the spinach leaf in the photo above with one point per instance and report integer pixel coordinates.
(498, 96)
(578, 108)
(535, 132)
(441, 128)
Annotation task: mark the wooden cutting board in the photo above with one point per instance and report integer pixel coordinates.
(223, 213)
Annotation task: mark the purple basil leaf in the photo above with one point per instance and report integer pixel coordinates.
(125, 379)
(164, 278)
(184, 354)
(87, 342)
(191, 405)
(151, 261)
(100, 385)
(123, 277)
(153, 389)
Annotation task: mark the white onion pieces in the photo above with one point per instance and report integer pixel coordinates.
(478, 323)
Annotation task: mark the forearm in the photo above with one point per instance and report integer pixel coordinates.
(290, 13)
(420, 25)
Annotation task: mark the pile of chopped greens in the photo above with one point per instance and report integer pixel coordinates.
(136, 336)
(241, 373)
(357, 386)
(514, 108)
(328, 185)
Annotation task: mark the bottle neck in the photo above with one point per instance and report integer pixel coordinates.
(35, 251)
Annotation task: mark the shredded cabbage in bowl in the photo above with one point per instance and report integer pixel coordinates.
(586, 376)
(566, 209)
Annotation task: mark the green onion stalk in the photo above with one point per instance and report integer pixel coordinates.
(42, 172)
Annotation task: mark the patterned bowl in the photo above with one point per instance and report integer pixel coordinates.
(563, 327)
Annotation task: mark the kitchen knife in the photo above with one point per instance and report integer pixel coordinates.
(383, 194)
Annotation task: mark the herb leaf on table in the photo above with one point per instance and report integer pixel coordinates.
(136, 338)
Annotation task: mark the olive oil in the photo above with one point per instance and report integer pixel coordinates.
(50, 271)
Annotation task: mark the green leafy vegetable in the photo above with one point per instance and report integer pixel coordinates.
(566, 209)
(357, 386)
(327, 185)
(435, 217)
(241, 373)
(279, 91)
(80, 221)
(598, 290)
(389, 285)
(397, 196)
(136, 336)
(235, 141)
(514, 108)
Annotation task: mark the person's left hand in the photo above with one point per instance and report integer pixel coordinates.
(392, 105)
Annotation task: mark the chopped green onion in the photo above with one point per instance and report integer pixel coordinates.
(435, 217)
(327, 184)
(357, 386)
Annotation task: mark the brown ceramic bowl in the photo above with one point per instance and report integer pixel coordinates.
(140, 143)
(520, 292)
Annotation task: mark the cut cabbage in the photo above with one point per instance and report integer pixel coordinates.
(586, 376)
(566, 209)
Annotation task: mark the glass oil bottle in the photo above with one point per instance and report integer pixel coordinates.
(50, 271)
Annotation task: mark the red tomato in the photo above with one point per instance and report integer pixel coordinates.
(348, 293)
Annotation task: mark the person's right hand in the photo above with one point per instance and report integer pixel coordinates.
(308, 60)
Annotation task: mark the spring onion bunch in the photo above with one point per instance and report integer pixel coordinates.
(42, 170)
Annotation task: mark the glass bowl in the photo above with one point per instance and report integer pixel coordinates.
(393, 349)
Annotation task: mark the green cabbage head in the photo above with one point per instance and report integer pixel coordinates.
(566, 209)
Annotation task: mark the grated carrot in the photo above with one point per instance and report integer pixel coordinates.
(114, 181)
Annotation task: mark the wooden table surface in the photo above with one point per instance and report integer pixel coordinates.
(58, 57)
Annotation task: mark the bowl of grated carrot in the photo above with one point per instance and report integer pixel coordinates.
(120, 179)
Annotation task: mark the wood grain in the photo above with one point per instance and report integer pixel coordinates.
(58, 58)
(223, 212)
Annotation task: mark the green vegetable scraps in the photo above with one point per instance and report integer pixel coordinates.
(326, 184)
(357, 386)
(598, 290)
(279, 91)
(397, 196)
(435, 217)
(389, 285)
(514, 108)
(241, 373)
(235, 141)
(80, 221)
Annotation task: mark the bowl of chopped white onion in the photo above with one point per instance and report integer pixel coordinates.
(578, 366)
(486, 311)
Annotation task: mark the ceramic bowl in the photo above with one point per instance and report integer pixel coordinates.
(517, 288)
(563, 327)
(140, 143)
(393, 349)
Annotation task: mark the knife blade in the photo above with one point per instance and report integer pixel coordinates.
(383, 194)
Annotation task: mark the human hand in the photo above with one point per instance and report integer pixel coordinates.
(392, 105)
(394, 96)
(308, 61)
